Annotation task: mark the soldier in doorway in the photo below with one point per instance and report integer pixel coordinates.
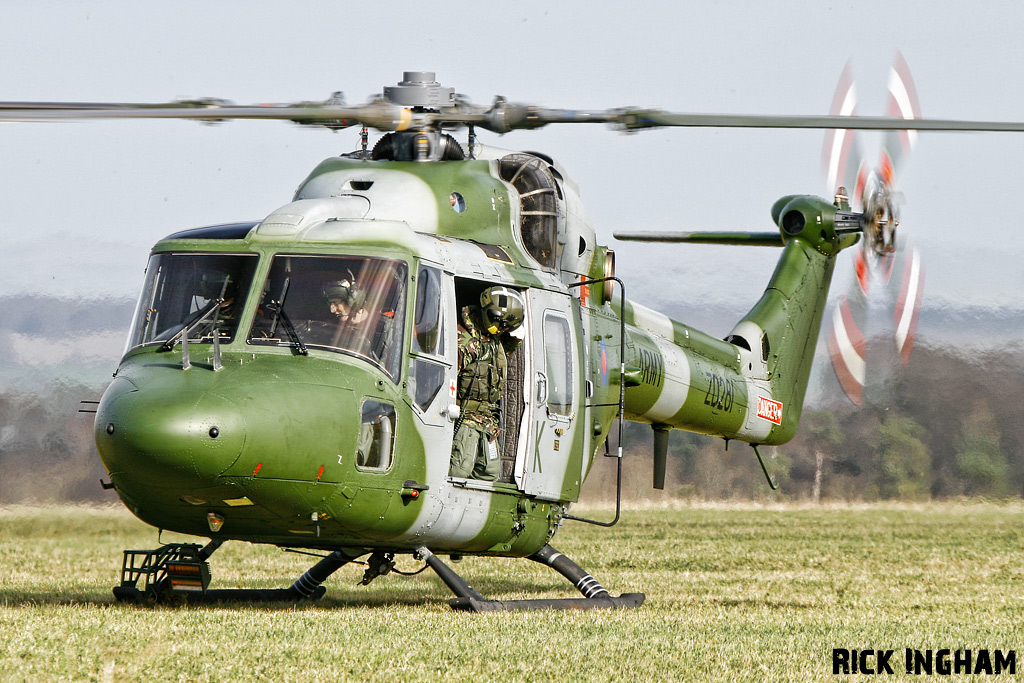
(484, 342)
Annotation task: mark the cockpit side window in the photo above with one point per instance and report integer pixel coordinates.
(354, 305)
(427, 375)
(428, 337)
(181, 284)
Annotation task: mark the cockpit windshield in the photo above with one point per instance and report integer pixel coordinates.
(355, 305)
(180, 285)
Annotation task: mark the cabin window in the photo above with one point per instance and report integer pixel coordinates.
(428, 336)
(376, 445)
(538, 203)
(558, 359)
(180, 285)
(353, 305)
(425, 381)
(427, 376)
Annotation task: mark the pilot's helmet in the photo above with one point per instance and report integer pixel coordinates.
(503, 309)
(343, 290)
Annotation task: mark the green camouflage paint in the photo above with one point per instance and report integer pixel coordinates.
(269, 441)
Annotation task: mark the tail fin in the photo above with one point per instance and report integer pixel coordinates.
(789, 316)
(790, 311)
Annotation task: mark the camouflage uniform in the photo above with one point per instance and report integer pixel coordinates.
(483, 369)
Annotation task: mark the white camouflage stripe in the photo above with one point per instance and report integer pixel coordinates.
(677, 381)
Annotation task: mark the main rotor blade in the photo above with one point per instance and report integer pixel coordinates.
(378, 114)
(653, 119)
(502, 117)
(750, 239)
(505, 117)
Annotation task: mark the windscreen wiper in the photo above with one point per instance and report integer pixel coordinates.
(194, 321)
(277, 310)
(280, 304)
(187, 328)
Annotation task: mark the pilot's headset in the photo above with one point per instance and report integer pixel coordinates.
(503, 309)
(344, 290)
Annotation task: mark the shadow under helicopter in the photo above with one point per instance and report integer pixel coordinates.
(429, 592)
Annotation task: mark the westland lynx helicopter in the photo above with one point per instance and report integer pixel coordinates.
(250, 406)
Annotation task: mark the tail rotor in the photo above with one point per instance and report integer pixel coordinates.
(885, 261)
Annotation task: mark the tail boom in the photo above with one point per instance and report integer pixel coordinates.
(751, 385)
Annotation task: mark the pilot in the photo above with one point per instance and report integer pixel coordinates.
(484, 342)
(345, 298)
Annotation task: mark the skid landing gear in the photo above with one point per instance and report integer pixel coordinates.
(182, 570)
(594, 595)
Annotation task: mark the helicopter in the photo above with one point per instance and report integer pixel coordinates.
(246, 408)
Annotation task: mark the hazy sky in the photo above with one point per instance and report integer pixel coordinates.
(84, 202)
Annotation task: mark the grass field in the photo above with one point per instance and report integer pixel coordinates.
(733, 593)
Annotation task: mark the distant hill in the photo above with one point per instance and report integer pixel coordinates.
(45, 339)
(939, 325)
(42, 338)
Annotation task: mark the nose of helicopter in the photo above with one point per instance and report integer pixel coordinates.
(164, 437)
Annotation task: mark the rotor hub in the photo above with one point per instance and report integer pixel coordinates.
(419, 89)
(881, 213)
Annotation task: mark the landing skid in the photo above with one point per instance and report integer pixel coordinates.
(181, 570)
(595, 596)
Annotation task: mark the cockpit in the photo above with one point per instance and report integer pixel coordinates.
(339, 303)
(180, 285)
(353, 305)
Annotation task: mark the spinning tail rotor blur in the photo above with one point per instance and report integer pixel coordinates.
(888, 271)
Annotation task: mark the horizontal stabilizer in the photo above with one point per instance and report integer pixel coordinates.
(751, 239)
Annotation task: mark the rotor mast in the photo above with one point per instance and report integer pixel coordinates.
(419, 94)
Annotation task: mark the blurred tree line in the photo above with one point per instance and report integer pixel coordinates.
(952, 428)
(46, 446)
